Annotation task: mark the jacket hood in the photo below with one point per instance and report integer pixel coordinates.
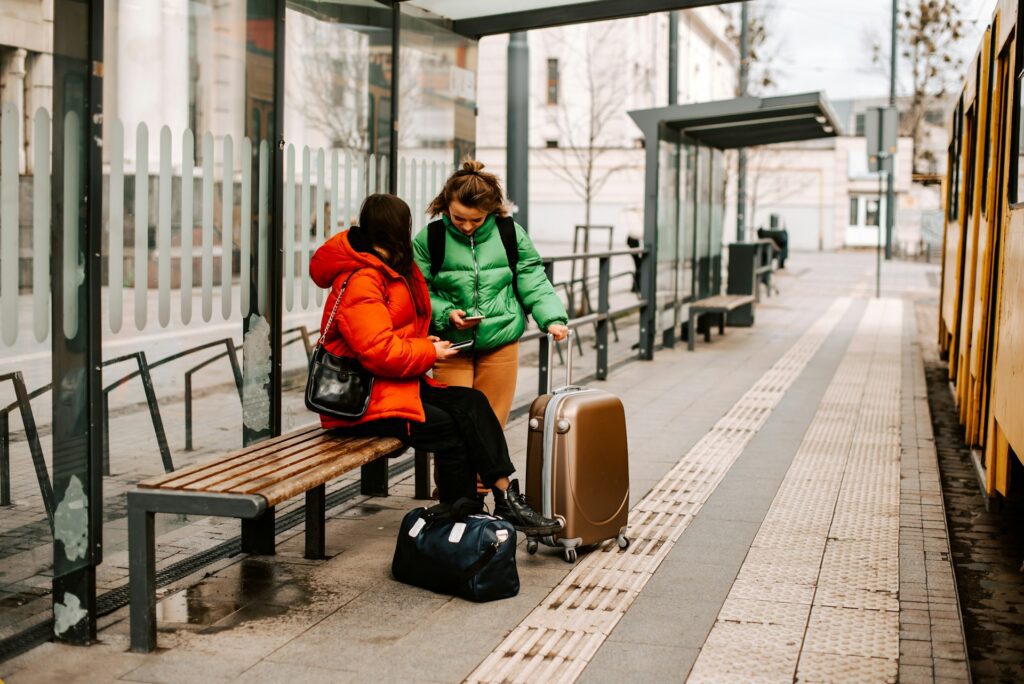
(338, 257)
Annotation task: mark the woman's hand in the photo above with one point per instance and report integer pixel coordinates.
(558, 331)
(458, 319)
(441, 348)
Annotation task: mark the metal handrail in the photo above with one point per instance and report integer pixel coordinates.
(636, 251)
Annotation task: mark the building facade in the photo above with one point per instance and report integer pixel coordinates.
(597, 73)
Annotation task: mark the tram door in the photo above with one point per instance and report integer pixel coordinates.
(989, 180)
(969, 232)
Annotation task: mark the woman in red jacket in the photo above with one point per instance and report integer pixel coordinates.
(383, 321)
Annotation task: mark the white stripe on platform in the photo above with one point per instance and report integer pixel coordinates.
(559, 637)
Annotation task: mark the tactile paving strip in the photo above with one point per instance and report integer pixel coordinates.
(840, 503)
(559, 637)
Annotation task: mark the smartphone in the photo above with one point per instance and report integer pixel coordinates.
(474, 319)
(462, 345)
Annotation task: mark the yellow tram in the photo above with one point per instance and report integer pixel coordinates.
(981, 305)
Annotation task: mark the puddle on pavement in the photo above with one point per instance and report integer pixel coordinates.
(251, 590)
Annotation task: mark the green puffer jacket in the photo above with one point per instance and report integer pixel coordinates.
(475, 278)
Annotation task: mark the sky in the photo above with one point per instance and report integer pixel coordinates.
(826, 44)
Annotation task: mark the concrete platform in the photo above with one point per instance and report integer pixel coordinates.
(787, 525)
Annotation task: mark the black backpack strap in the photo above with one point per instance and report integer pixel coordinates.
(435, 244)
(507, 231)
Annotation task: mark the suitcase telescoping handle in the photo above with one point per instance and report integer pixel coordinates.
(568, 358)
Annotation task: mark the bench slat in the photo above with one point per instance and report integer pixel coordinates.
(240, 469)
(322, 450)
(727, 302)
(173, 480)
(285, 489)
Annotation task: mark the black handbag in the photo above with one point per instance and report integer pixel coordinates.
(338, 386)
(473, 556)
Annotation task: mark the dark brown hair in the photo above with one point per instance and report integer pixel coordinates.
(472, 187)
(386, 222)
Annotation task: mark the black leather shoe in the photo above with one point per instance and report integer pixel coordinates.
(512, 506)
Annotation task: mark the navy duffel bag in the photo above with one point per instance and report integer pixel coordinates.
(472, 556)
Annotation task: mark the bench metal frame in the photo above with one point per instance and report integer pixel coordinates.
(258, 533)
(697, 309)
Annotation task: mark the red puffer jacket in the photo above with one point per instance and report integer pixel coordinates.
(377, 323)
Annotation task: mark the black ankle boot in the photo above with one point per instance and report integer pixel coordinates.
(512, 506)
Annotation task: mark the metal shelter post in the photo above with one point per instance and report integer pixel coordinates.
(518, 126)
(75, 316)
(890, 166)
(741, 161)
(649, 265)
(673, 58)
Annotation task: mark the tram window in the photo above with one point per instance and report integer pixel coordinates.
(972, 157)
(1016, 139)
(954, 174)
(989, 115)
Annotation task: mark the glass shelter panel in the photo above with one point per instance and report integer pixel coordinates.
(668, 218)
(437, 105)
(30, 325)
(338, 59)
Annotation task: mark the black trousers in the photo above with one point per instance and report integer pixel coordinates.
(460, 429)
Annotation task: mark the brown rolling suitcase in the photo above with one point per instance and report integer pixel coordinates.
(577, 464)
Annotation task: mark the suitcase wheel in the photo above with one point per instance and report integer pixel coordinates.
(531, 546)
(623, 542)
(569, 555)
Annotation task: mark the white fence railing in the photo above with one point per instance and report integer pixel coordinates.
(180, 218)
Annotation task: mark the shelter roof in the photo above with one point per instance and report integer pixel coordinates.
(745, 121)
(477, 18)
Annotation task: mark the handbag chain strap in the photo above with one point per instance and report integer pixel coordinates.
(337, 301)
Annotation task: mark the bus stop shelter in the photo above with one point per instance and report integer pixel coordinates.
(684, 183)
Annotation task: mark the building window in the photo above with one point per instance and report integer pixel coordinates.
(854, 210)
(871, 214)
(552, 82)
(551, 144)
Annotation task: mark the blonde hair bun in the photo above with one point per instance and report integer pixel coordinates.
(472, 165)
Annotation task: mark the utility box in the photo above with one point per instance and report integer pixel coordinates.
(742, 279)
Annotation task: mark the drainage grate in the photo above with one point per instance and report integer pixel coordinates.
(816, 593)
(118, 598)
(559, 637)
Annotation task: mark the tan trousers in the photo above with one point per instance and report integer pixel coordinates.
(492, 372)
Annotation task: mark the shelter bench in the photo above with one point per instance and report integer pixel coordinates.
(248, 484)
(721, 305)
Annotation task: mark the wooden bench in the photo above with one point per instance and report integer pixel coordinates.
(719, 304)
(248, 484)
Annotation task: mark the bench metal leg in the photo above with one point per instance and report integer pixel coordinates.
(141, 578)
(5, 461)
(258, 534)
(691, 331)
(316, 521)
(721, 323)
(421, 462)
(707, 330)
(373, 478)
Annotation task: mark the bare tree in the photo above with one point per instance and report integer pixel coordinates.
(334, 72)
(597, 63)
(762, 51)
(929, 35)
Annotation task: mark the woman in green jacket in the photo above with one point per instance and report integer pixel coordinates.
(467, 267)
